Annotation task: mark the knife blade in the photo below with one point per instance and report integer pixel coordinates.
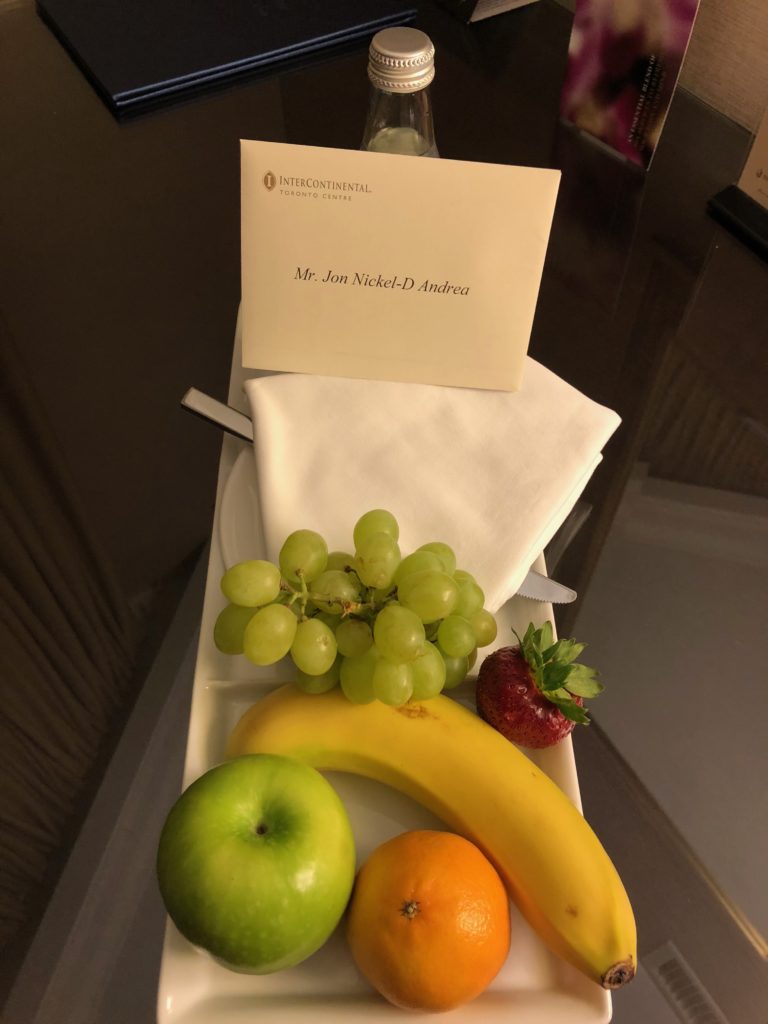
(535, 586)
(538, 587)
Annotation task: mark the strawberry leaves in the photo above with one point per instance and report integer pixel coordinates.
(556, 673)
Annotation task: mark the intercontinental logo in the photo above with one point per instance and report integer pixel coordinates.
(314, 188)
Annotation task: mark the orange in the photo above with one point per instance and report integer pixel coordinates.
(428, 922)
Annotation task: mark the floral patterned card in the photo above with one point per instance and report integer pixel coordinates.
(624, 60)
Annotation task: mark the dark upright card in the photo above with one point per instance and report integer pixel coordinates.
(623, 64)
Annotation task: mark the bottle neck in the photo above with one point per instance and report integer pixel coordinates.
(400, 123)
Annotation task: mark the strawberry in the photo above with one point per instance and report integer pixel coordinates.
(533, 692)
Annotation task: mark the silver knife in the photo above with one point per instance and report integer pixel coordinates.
(538, 587)
(535, 586)
(222, 415)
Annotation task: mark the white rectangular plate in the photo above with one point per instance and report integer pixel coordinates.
(533, 987)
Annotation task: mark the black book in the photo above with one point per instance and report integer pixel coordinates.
(137, 52)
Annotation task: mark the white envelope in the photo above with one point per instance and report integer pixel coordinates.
(390, 267)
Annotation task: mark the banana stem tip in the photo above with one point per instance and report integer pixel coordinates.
(619, 974)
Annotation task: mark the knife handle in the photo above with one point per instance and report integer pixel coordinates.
(224, 416)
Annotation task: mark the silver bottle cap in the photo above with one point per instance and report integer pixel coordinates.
(401, 60)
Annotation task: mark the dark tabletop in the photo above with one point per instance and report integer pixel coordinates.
(120, 261)
(120, 246)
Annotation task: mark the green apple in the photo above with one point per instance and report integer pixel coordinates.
(256, 862)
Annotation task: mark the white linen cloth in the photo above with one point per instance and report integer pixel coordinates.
(491, 473)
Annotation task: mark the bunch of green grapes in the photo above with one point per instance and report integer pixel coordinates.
(381, 626)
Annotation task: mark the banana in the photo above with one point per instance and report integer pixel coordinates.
(480, 785)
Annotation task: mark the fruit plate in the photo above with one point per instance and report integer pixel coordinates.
(533, 987)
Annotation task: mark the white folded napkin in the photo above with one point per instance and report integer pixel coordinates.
(491, 473)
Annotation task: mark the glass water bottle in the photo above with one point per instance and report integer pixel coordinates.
(401, 65)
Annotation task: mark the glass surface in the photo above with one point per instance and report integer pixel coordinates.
(400, 123)
(406, 141)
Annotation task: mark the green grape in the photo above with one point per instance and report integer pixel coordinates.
(416, 562)
(456, 636)
(303, 554)
(392, 683)
(428, 673)
(295, 608)
(327, 617)
(376, 559)
(444, 553)
(357, 677)
(269, 634)
(378, 520)
(472, 658)
(333, 587)
(229, 628)
(471, 598)
(353, 637)
(484, 625)
(398, 633)
(314, 647)
(455, 670)
(252, 583)
(432, 595)
(461, 575)
(340, 560)
(321, 683)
